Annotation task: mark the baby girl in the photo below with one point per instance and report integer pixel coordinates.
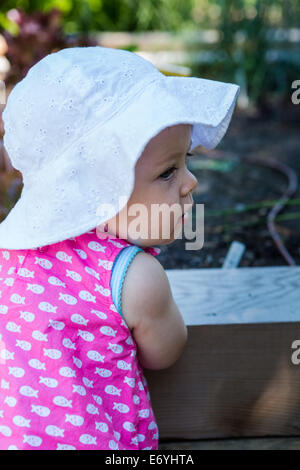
(85, 304)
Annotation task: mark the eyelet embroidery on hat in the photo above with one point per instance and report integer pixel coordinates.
(73, 172)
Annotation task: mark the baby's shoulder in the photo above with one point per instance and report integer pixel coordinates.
(145, 284)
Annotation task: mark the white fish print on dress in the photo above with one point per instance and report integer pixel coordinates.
(99, 314)
(25, 345)
(57, 325)
(136, 399)
(101, 427)
(76, 318)
(21, 259)
(17, 299)
(144, 413)
(129, 426)
(42, 411)
(129, 381)
(9, 281)
(52, 353)
(68, 299)
(62, 401)
(97, 399)
(3, 309)
(96, 246)
(48, 381)
(4, 384)
(17, 372)
(44, 263)
(21, 421)
(35, 288)
(86, 335)
(85, 295)
(88, 439)
(102, 290)
(39, 336)
(88, 383)
(25, 272)
(152, 425)
(80, 253)
(33, 441)
(6, 431)
(27, 316)
(11, 270)
(95, 356)
(112, 390)
(140, 385)
(6, 354)
(117, 244)
(36, 364)
(73, 275)
(54, 281)
(10, 401)
(54, 431)
(108, 331)
(113, 445)
(13, 327)
(65, 447)
(77, 362)
(113, 308)
(115, 348)
(135, 441)
(67, 372)
(76, 420)
(67, 343)
(28, 391)
(105, 264)
(62, 256)
(121, 407)
(79, 389)
(103, 372)
(6, 255)
(92, 409)
(124, 365)
(92, 272)
(108, 417)
(129, 341)
(47, 307)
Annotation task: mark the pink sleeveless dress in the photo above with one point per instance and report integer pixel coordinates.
(69, 372)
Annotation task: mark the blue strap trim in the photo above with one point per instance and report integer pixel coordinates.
(120, 266)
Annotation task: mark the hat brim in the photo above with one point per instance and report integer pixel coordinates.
(106, 174)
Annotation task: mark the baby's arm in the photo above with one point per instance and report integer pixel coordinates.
(152, 314)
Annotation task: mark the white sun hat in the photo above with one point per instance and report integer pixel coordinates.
(76, 125)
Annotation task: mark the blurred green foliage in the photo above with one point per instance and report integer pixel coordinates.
(245, 53)
(146, 15)
(109, 15)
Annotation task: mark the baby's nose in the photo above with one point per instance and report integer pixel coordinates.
(193, 181)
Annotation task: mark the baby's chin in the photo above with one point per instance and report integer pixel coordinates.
(164, 238)
(148, 242)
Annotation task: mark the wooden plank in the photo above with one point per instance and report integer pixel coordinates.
(235, 377)
(260, 443)
(241, 295)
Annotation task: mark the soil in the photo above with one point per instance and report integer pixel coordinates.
(232, 184)
(236, 184)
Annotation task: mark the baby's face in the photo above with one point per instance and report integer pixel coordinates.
(161, 177)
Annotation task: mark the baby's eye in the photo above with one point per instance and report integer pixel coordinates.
(167, 173)
(170, 171)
